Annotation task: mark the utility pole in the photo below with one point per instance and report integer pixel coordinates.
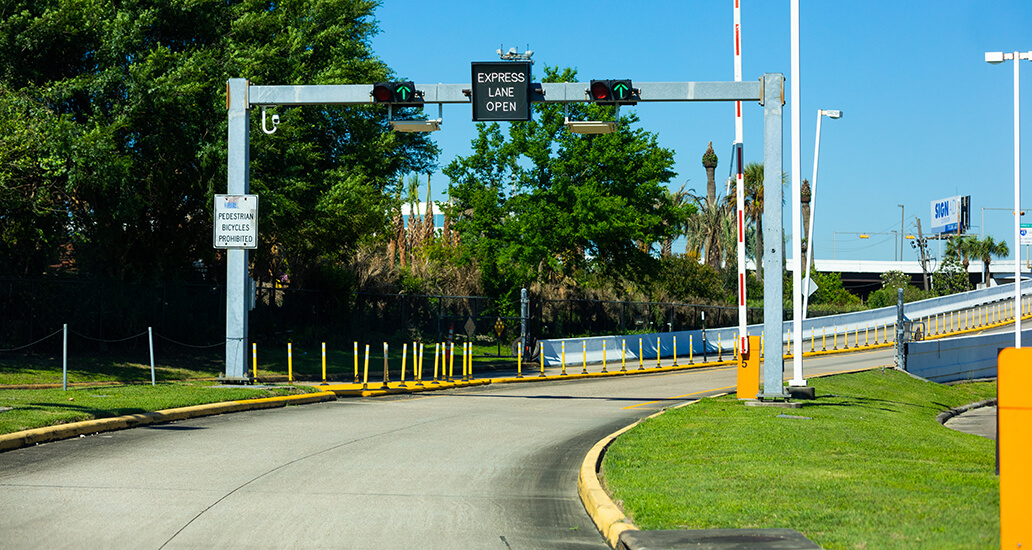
(922, 246)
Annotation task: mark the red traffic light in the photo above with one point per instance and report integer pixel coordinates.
(600, 90)
(382, 92)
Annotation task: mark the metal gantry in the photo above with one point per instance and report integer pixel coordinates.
(769, 91)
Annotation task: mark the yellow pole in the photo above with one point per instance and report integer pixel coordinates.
(365, 369)
(451, 361)
(404, 360)
(324, 362)
(386, 376)
(691, 349)
(856, 336)
(720, 347)
(563, 373)
(623, 356)
(657, 352)
(867, 334)
(418, 364)
(437, 353)
(811, 339)
(605, 358)
(290, 363)
(675, 350)
(471, 360)
(824, 339)
(584, 355)
(254, 360)
(541, 356)
(519, 362)
(356, 362)
(835, 339)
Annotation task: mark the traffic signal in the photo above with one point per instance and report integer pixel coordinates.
(394, 92)
(612, 91)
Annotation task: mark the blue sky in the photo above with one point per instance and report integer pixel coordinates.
(925, 117)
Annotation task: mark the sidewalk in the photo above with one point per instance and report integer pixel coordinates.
(980, 421)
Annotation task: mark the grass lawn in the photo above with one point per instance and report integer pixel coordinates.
(39, 408)
(869, 468)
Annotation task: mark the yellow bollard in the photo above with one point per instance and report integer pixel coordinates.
(720, 349)
(657, 353)
(541, 356)
(324, 363)
(404, 360)
(254, 361)
(290, 363)
(519, 362)
(641, 354)
(418, 363)
(386, 377)
(788, 352)
(867, 334)
(451, 361)
(437, 353)
(623, 356)
(584, 353)
(563, 373)
(835, 340)
(811, 339)
(856, 336)
(824, 339)
(356, 363)
(605, 360)
(471, 360)
(365, 371)
(691, 349)
(675, 350)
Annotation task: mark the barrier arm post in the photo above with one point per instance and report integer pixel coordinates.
(1014, 446)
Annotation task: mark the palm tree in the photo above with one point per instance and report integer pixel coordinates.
(709, 162)
(962, 248)
(711, 228)
(985, 249)
(753, 176)
(679, 200)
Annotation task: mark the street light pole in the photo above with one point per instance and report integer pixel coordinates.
(1000, 57)
(813, 203)
(901, 232)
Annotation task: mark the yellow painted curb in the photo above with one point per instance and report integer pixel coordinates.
(36, 436)
(605, 514)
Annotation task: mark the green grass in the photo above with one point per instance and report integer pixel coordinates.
(48, 407)
(871, 468)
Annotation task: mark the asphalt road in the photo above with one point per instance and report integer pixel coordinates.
(486, 467)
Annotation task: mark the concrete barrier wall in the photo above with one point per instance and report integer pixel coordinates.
(724, 337)
(962, 358)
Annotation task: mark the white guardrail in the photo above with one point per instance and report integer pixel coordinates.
(720, 341)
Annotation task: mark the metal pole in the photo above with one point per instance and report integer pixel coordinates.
(1017, 196)
(773, 228)
(150, 342)
(64, 359)
(902, 217)
(743, 321)
(236, 258)
(813, 206)
(797, 237)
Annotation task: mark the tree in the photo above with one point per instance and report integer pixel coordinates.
(543, 204)
(136, 128)
(985, 249)
(962, 248)
(710, 229)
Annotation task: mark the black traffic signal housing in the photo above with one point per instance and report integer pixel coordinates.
(395, 92)
(612, 92)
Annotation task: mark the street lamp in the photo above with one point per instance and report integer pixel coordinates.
(994, 58)
(830, 113)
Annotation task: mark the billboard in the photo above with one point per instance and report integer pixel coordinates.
(946, 215)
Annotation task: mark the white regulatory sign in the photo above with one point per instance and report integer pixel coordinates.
(236, 221)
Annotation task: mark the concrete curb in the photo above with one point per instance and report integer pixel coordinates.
(944, 416)
(606, 515)
(36, 436)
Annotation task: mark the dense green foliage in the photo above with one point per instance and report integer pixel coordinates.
(867, 466)
(544, 204)
(113, 134)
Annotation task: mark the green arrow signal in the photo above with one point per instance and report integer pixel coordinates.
(621, 90)
(404, 91)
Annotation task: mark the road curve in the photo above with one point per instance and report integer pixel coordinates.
(485, 467)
